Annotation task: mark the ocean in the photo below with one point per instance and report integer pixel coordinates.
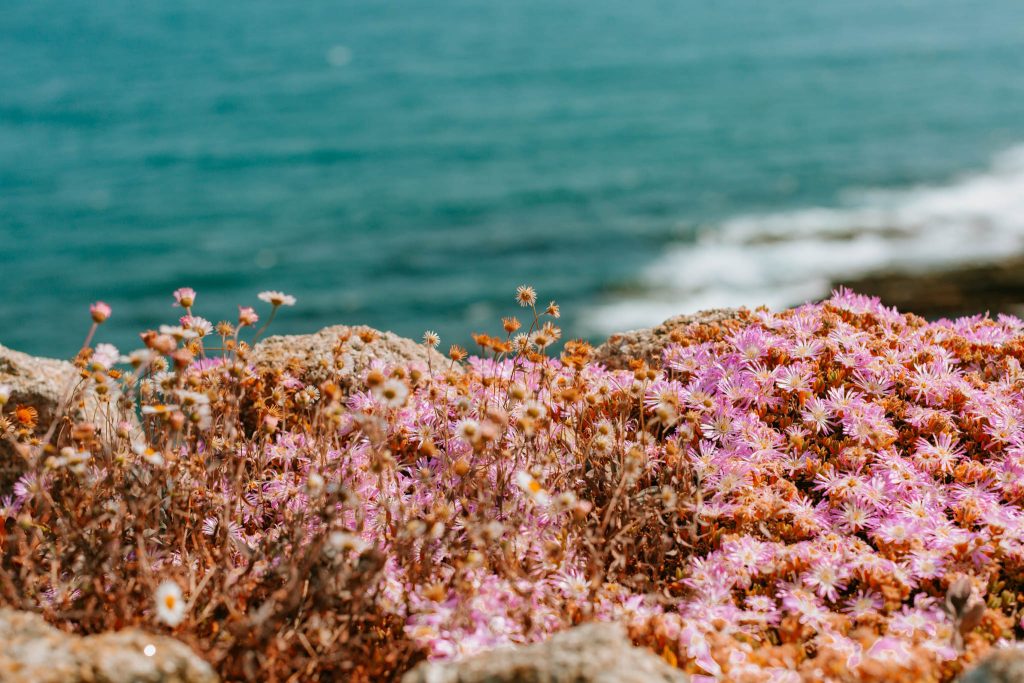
(407, 163)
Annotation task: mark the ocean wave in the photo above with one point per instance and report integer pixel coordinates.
(787, 258)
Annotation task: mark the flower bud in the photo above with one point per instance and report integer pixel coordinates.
(100, 312)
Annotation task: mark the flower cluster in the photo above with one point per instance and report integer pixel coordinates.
(828, 493)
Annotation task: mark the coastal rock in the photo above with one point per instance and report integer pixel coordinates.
(312, 357)
(42, 383)
(1005, 665)
(35, 652)
(961, 290)
(647, 344)
(592, 653)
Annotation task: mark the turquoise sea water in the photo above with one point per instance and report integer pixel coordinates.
(407, 163)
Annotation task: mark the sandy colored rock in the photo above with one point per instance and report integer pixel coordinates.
(313, 354)
(42, 383)
(1005, 665)
(36, 382)
(592, 653)
(32, 651)
(648, 343)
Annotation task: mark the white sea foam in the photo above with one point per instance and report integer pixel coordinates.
(791, 257)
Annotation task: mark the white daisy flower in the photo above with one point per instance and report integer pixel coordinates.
(276, 298)
(392, 393)
(170, 604)
(105, 356)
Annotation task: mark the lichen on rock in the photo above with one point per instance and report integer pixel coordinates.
(592, 653)
(1005, 665)
(315, 358)
(647, 344)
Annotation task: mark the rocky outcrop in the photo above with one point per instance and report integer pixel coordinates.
(1005, 665)
(647, 344)
(957, 291)
(312, 357)
(32, 651)
(36, 382)
(42, 384)
(593, 653)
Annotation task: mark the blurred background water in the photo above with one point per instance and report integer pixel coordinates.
(407, 163)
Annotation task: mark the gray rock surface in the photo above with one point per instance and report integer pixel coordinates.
(314, 354)
(648, 343)
(1005, 665)
(592, 653)
(32, 651)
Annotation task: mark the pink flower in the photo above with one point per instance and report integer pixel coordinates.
(697, 649)
(100, 312)
(751, 343)
(200, 326)
(912, 620)
(855, 516)
(863, 604)
(795, 379)
(896, 531)
(247, 316)
(184, 297)
(940, 457)
(826, 579)
(890, 649)
(806, 605)
(817, 415)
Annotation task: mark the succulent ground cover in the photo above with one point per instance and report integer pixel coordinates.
(827, 493)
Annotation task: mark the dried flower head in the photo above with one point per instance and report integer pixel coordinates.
(526, 295)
